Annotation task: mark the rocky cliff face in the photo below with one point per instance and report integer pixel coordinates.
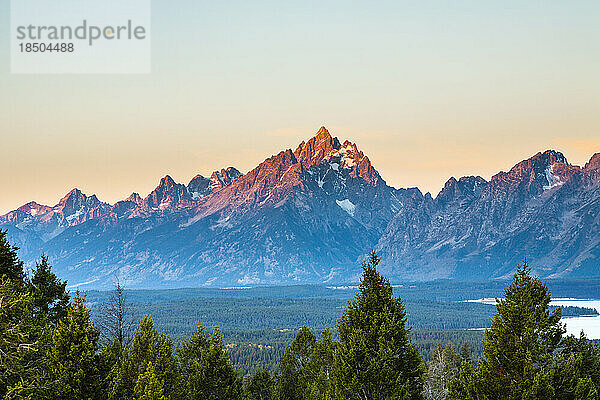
(311, 214)
(543, 209)
(299, 216)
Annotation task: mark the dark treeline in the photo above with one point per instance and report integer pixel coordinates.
(176, 317)
(439, 290)
(51, 348)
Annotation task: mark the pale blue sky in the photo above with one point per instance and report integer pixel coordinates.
(427, 89)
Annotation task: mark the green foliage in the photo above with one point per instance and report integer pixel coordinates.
(72, 358)
(294, 372)
(50, 299)
(29, 311)
(10, 265)
(320, 368)
(519, 347)
(149, 386)
(576, 373)
(206, 370)
(375, 358)
(16, 340)
(260, 386)
(306, 367)
(148, 348)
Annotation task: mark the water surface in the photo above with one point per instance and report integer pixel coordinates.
(590, 325)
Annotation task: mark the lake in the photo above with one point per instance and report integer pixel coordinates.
(589, 324)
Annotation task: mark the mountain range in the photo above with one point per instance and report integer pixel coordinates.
(311, 214)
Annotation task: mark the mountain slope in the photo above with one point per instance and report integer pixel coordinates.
(543, 209)
(299, 216)
(311, 214)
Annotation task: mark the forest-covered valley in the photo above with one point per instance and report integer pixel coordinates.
(373, 341)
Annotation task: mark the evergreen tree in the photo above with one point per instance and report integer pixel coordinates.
(72, 359)
(207, 371)
(519, 346)
(10, 265)
(16, 341)
(50, 299)
(294, 375)
(148, 386)
(147, 346)
(576, 372)
(260, 386)
(111, 359)
(375, 358)
(320, 368)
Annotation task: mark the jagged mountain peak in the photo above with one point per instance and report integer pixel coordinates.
(167, 182)
(76, 200)
(324, 148)
(72, 194)
(32, 207)
(594, 163)
(199, 186)
(466, 186)
(135, 198)
(541, 161)
(198, 177)
(536, 174)
(224, 177)
(322, 134)
(317, 148)
(166, 196)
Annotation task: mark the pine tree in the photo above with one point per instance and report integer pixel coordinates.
(50, 298)
(294, 375)
(207, 371)
(147, 346)
(72, 359)
(16, 341)
(260, 386)
(576, 372)
(375, 358)
(319, 369)
(519, 346)
(10, 265)
(148, 386)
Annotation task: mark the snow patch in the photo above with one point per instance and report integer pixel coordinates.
(76, 214)
(347, 156)
(33, 211)
(347, 206)
(223, 222)
(553, 180)
(164, 205)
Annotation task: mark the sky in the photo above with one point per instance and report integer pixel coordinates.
(427, 89)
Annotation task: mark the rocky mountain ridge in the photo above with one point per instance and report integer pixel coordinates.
(311, 214)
